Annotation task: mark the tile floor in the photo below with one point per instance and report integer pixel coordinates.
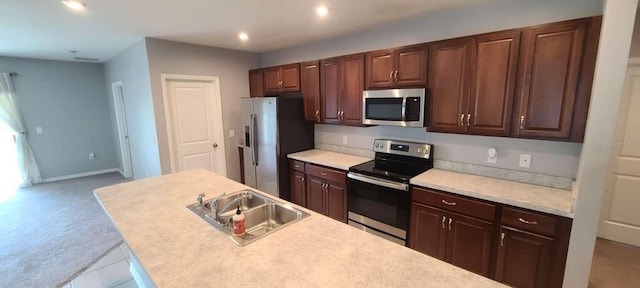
(111, 271)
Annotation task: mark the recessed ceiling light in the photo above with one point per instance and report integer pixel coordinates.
(243, 36)
(322, 11)
(75, 4)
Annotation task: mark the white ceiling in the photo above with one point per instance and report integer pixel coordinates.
(46, 29)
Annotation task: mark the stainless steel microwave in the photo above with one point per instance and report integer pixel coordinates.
(394, 107)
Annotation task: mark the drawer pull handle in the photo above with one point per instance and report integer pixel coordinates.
(323, 173)
(297, 166)
(443, 219)
(527, 222)
(450, 223)
(501, 239)
(449, 203)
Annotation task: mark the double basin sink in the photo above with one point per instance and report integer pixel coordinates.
(263, 215)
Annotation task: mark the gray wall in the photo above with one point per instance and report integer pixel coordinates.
(68, 100)
(635, 40)
(553, 158)
(132, 68)
(167, 57)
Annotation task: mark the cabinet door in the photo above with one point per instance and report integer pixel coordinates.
(315, 194)
(330, 73)
(311, 91)
(411, 66)
(352, 88)
(523, 259)
(469, 243)
(380, 68)
(255, 83)
(336, 201)
(271, 80)
(428, 232)
(449, 84)
(298, 188)
(290, 78)
(493, 81)
(550, 66)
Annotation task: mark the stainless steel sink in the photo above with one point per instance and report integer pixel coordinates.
(263, 215)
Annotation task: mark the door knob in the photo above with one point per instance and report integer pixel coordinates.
(215, 145)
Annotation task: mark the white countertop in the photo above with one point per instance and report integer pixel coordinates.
(539, 198)
(329, 159)
(178, 249)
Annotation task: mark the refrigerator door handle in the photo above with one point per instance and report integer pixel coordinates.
(255, 138)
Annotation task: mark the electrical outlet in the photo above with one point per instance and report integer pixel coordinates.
(232, 133)
(525, 160)
(39, 130)
(345, 139)
(92, 155)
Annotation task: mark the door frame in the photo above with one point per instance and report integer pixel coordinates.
(122, 129)
(607, 229)
(218, 121)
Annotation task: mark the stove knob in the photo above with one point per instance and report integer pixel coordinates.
(377, 145)
(419, 150)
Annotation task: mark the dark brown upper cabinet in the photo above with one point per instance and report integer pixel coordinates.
(255, 83)
(284, 78)
(341, 87)
(472, 83)
(550, 67)
(449, 84)
(493, 83)
(402, 67)
(310, 82)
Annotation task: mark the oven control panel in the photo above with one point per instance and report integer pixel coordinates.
(421, 150)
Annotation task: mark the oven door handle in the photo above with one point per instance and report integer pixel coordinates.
(380, 182)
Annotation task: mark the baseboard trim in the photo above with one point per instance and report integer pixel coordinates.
(122, 173)
(66, 177)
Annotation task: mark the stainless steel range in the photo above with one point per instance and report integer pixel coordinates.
(379, 198)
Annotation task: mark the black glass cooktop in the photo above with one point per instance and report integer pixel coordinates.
(392, 168)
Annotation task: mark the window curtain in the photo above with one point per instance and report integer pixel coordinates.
(10, 115)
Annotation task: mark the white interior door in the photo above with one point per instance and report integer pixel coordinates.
(195, 125)
(620, 217)
(123, 132)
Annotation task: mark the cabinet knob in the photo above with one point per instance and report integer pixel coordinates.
(461, 120)
(502, 239)
(450, 219)
(215, 145)
(468, 120)
(522, 122)
(395, 76)
(443, 219)
(391, 76)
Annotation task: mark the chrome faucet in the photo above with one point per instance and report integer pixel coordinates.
(216, 213)
(200, 196)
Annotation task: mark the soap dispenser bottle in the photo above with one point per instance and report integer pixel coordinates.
(238, 223)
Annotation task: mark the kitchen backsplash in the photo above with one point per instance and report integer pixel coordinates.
(547, 157)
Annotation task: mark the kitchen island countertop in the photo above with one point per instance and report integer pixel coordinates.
(178, 249)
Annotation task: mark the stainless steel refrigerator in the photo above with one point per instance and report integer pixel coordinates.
(273, 128)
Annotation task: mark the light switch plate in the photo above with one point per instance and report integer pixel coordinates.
(39, 130)
(232, 133)
(345, 139)
(525, 160)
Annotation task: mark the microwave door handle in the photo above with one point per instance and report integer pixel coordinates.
(404, 109)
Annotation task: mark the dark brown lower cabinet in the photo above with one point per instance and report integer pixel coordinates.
(524, 259)
(455, 238)
(315, 194)
(469, 243)
(336, 201)
(298, 188)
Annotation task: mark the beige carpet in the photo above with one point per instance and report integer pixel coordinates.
(615, 265)
(51, 232)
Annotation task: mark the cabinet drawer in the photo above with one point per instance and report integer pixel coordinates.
(529, 221)
(326, 173)
(296, 165)
(453, 203)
